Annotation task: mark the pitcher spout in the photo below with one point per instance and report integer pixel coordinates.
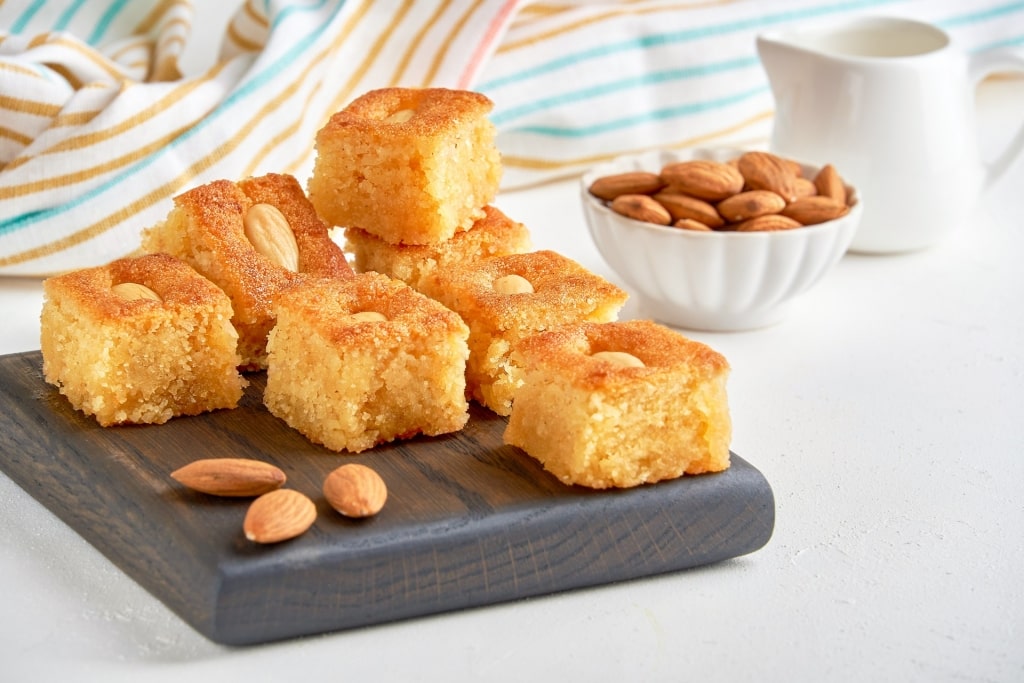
(780, 55)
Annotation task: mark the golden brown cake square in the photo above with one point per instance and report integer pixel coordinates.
(250, 238)
(621, 404)
(408, 165)
(359, 362)
(493, 235)
(140, 340)
(506, 298)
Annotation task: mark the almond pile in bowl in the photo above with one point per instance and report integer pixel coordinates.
(753, 192)
(718, 239)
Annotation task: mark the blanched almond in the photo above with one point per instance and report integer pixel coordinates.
(622, 358)
(130, 291)
(400, 116)
(512, 284)
(368, 316)
(270, 234)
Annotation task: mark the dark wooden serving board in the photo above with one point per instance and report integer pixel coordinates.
(468, 521)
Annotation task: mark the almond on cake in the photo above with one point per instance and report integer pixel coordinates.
(251, 238)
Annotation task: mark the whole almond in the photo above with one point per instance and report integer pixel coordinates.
(512, 284)
(633, 182)
(130, 291)
(400, 116)
(622, 358)
(805, 187)
(278, 516)
(702, 178)
(640, 207)
(368, 316)
(271, 235)
(355, 490)
(830, 184)
(794, 167)
(813, 210)
(684, 206)
(690, 224)
(766, 171)
(767, 223)
(230, 476)
(750, 204)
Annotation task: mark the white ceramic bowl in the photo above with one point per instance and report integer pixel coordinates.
(713, 281)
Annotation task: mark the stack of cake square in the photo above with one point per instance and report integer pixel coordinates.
(410, 174)
(407, 173)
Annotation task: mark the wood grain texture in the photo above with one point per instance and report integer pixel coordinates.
(468, 522)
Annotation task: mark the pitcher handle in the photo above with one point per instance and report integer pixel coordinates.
(982, 65)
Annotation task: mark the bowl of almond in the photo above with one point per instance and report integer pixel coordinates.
(718, 239)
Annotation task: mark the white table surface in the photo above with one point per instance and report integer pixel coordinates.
(887, 412)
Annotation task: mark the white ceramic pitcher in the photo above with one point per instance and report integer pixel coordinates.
(890, 103)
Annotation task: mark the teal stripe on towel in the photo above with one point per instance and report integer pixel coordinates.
(242, 92)
(67, 15)
(575, 96)
(647, 117)
(105, 21)
(986, 15)
(675, 37)
(21, 22)
(1016, 41)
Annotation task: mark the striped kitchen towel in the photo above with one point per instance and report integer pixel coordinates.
(576, 84)
(100, 127)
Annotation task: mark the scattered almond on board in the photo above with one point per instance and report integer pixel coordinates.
(278, 514)
(755, 192)
(355, 490)
(238, 477)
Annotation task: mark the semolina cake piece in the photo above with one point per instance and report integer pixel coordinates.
(407, 165)
(359, 362)
(621, 404)
(504, 299)
(250, 238)
(493, 235)
(140, 340)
